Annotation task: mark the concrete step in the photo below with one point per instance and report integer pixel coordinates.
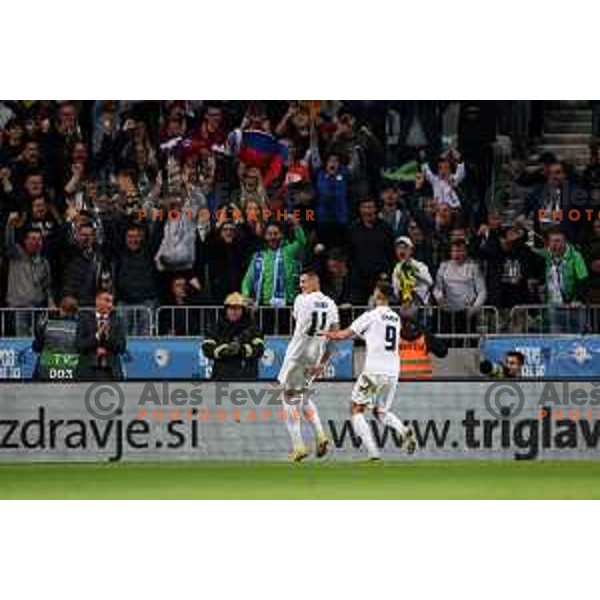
(575, 103)
(567, 139)
(558, 127)
(569, 115)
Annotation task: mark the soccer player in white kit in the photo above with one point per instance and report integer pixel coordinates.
(376, 386)
(306, 358)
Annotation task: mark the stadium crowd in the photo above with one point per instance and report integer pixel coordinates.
(364, 190)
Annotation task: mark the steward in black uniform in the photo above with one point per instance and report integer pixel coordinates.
(236, 344)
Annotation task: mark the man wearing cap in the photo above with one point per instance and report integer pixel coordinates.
(236, 344)
(411, 278)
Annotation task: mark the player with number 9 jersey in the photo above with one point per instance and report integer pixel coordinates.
(380, 329)
(375, 387)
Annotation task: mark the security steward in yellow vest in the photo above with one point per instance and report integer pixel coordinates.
(416, 347)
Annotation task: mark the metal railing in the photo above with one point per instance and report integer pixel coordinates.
(143, 321)
(20, 322)
(196, 320)
(542, 318)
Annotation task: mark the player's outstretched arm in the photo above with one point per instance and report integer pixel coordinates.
(339, 334)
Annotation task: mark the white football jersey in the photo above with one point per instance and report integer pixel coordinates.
(313, 313)
(380, 329)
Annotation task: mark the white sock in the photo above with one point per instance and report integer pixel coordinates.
(362, 428)
(293, 422)
(391, 420)
(313, 417)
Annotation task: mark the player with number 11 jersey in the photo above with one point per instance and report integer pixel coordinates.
(306, 358)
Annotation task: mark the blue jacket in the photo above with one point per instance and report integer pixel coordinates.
(332, 196)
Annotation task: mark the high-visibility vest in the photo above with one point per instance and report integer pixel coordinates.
(415, 361)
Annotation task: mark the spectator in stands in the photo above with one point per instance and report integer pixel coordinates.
(135, 281)
(297, 176)
(550, 204)
(591, 175)
(58, 144)
(177, 250)
(437, 230)
(227, 257)
(210, 133)
(459, 289)
(251, 189)
(29, 277)
(371, 252)
(566, 273)
(254, 145)
(591, 252)
(411, 279)
(566, 278)
(295, 126)
(252, 228)
(393, 211)
(28, 161)
(422, 245)
(334, 275)
(33, 189)
(236, 344)
(332, 202)
(271, 277)
(82, 265)
(513, 269)
(181, 315)
(445, 182)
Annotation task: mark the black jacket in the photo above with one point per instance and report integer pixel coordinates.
(235, 349)
(227, 265)
(79, 278)
(371, 253)
(135, 277)
(508, 272)
(92, 366)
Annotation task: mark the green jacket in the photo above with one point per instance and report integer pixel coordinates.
(290, 253)
(574, 272)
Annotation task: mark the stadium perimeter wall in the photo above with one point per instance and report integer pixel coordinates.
(207, 421)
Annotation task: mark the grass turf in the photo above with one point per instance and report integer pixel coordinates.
(416, 480)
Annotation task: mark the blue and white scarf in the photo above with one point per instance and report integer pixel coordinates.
(278, 297)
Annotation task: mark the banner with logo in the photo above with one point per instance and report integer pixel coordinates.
(170, 358)
(138, 421)
(17, 359)
(548, 355)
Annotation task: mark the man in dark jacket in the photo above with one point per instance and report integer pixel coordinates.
(100, 341)
(371, 252)
(512, 267)
(236, 344)
(81, 267)
(135, 281)
(227, 257)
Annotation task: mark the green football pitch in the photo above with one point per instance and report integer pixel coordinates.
(219, 480)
